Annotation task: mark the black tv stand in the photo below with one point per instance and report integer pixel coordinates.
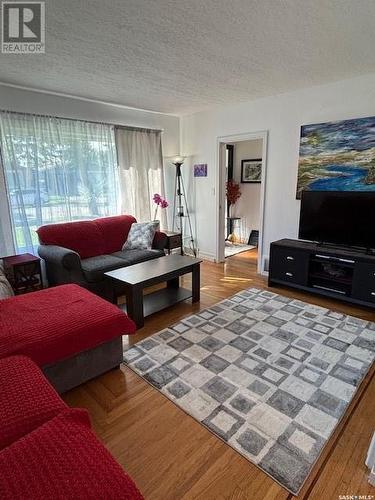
(343, 273)
(361, 250)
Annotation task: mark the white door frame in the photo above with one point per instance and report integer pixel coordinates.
(220, 190)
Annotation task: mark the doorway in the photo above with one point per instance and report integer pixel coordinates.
(241, 189)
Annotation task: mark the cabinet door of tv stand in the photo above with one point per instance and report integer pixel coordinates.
(364, 282)
(289, 265)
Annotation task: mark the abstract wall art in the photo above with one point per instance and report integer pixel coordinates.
(337, 156)
(200, 170)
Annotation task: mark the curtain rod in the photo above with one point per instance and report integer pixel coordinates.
(138, 129)
(115, 125)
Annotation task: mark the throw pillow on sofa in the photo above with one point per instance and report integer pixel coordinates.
(140, 236)
(5, 287)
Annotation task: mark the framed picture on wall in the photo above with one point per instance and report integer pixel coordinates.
(200, 170)
(251, 170)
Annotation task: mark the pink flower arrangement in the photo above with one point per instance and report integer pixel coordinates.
(159, 202)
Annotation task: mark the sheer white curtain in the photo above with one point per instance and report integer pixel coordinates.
(6, 237)
(140, 159)
(56, 170)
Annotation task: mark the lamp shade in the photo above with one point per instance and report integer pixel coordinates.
(179, 159)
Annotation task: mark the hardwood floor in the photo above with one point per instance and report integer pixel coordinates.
(171, 456)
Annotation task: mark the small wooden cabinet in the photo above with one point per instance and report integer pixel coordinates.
(23, 272)
(174, 240)
(330, 271)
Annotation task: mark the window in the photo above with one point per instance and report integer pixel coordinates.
(56, 170)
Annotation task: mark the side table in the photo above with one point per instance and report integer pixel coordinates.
(23, 272)
(174, 240)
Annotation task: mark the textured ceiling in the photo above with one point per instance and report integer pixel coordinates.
(180, 56)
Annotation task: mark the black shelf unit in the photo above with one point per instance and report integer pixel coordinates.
(335, 272)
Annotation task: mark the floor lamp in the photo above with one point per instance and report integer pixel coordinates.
(180, 206)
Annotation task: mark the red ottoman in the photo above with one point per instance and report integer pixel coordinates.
(63, 459)
(27, 400)
(71, 333)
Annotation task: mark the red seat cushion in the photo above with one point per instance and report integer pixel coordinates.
(84, 237)
(56, 323)
(27, 400)
(63, 459)
(115, 231)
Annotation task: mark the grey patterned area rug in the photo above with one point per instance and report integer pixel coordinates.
(269, 375)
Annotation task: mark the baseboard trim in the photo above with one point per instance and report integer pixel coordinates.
(207, 256)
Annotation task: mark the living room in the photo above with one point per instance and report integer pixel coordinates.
(135, 360)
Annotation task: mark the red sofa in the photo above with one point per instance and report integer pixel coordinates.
(81, 252)
(72, 334)
(47, 450)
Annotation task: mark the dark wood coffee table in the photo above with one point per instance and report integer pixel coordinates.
(164, 269)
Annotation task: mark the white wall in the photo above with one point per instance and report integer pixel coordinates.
(248, 206)
(13, 99)
(282, 117)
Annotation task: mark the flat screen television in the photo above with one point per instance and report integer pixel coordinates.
(338, 217)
